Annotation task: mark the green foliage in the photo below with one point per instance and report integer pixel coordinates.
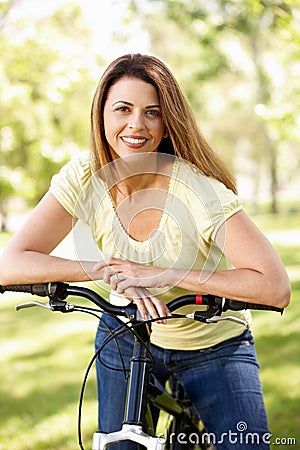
(238, 64)
(46, 92)
(6, 188)
(237, 61)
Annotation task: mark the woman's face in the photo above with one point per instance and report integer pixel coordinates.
(132, 118)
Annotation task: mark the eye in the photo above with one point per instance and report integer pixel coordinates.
(122, 108)
(153, 112)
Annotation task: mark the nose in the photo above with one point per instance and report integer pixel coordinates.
(137, 121)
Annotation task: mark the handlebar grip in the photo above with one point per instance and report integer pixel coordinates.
(42, 289)
(235, 305)
(264, 307)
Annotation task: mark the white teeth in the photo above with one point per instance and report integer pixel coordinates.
(134, 141)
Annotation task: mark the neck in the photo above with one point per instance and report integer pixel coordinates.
(136, 173)
(134, 183)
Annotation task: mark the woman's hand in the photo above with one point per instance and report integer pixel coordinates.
(147, 304)
(132, 280)
(130, 274)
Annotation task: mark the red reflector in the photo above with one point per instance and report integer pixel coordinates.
(198, 299)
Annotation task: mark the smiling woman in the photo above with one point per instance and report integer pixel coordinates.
(167, 221)
(132, 118)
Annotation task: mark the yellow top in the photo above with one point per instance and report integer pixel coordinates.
(195, 208)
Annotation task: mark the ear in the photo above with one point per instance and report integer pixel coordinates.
(166, 134)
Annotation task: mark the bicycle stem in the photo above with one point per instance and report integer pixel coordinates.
(136, 396)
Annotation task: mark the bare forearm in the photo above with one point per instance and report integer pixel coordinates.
(271, 287)
(258, 275)
(237, 284)
(34, 267)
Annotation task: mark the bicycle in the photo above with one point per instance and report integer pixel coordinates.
(142, 389)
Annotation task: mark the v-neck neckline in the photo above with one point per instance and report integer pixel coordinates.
(163, 218)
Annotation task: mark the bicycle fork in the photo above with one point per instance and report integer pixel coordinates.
(136, 399)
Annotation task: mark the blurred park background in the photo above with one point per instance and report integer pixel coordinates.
(238, 62)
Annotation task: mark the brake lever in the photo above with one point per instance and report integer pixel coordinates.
(213, 310)
(201, 317)
(53, 305)
(238, 320)
(32, 304)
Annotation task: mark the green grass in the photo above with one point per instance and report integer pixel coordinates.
(44, 355)
(42, 361)
(277, 337)
(277, 343)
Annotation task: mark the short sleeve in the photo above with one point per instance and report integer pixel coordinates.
(209, 202)
(69, 184)
(220, 204)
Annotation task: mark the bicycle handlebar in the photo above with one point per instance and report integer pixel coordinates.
(58, 292)
(41, 289)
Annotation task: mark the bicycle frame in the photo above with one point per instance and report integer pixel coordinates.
(136, 400)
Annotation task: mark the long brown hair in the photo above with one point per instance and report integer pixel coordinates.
(184, 138)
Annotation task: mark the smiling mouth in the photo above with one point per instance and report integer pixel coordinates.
(134, 141)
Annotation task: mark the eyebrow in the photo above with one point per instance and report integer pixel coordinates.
(131, 104)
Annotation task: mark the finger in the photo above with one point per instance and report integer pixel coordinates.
(161, 307)
(141, 307)
(106, 263)
(108, 272)
(151, 307)
(124, 283)
(147, 303)
(138, 297)
(155, 307)
(115, 280)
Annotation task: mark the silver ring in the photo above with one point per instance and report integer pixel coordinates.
(117, 276)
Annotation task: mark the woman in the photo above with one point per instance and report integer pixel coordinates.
(165, 216)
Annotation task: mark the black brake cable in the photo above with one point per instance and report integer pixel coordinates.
(124, 328)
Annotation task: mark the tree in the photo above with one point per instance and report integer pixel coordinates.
(231, 57)
(46, 92)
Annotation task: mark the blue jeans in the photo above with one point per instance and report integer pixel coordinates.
(222, 382)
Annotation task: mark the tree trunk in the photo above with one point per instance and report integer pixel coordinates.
(2, 218)
(272, 154)
(262, 96)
